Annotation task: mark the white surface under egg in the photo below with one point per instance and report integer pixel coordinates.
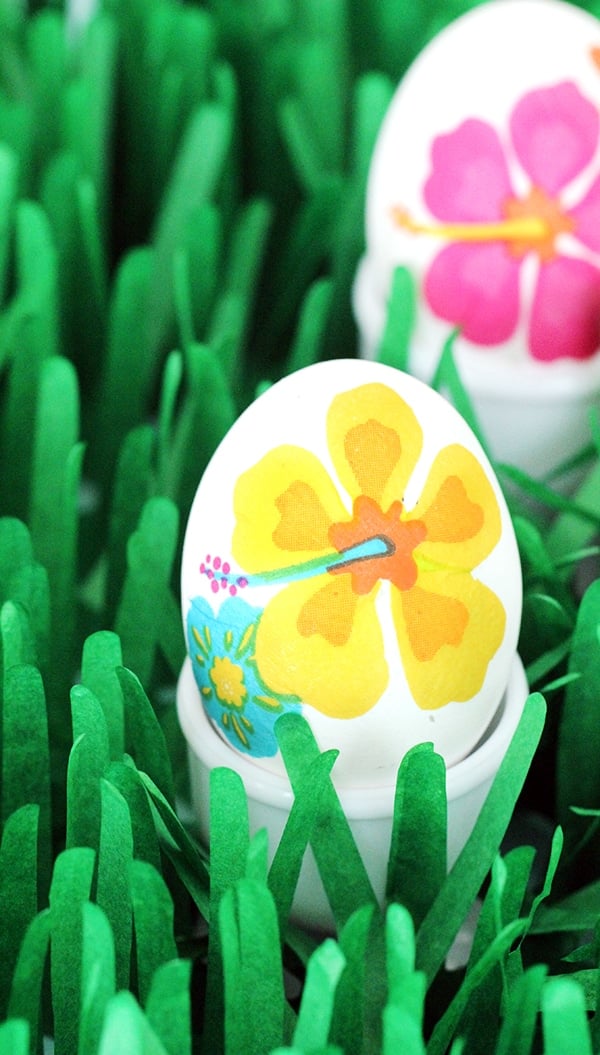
(349, 556)
(485, 184)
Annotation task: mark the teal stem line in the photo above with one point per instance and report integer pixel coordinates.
(378, 546)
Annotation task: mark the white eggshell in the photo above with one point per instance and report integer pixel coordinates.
(486, 67)
(412, 638)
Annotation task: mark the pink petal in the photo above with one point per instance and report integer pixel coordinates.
(565, 318)
(469, 179)
(587, 217)
(554, 132)
(475, 287)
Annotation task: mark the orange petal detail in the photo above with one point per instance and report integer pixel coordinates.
(374, 440)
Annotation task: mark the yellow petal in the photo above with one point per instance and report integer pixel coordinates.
(374, 440)
(319, 641)
(449, 626)
(284, 506)
(459, 509)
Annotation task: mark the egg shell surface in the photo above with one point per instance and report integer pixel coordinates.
(349, 556)
(485, 183)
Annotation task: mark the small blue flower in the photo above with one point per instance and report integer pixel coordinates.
(234, 696)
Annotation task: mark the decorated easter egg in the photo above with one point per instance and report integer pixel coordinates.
(485, 182)
(349, 557)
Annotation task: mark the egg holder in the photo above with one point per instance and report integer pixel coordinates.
(369, 811)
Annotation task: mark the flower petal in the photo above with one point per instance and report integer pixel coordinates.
(469, 180)
(587, 217)
(565, 316)
(319, 641)
(284, 505)
(448, 631)
(555, 134)
(475, 287)
(374, 440)
(459, 509)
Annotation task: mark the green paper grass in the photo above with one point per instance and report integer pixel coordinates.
(181, 218)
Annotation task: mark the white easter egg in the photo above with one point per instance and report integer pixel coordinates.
(349, 556)
(485, 184)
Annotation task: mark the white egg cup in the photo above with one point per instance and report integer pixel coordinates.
(369, 810)
(533, 415)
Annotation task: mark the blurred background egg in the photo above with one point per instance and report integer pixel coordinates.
(349, 556)
(485, 185)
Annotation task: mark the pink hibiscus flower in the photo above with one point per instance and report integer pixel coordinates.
(476, 281)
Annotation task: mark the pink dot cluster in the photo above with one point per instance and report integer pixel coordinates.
(218, 572)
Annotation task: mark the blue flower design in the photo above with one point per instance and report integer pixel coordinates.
(234, 696)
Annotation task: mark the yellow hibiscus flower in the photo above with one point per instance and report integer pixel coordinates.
(320, 637)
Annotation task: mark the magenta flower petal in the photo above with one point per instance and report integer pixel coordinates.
(565, 317)
(587, 217)
(475, 287)
(555, 133)
(469, 179)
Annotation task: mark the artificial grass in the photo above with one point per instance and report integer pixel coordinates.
(181, 200)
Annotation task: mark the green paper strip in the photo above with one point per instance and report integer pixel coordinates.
(458, 893)
(541, 492)
(229, 842)
(97, 977)
(371, 98)
(18, 889)
(126, 1030)
(308, 339)
(577, 912)
(153, 923)
(25, 755)
(37, 274)
(17, 639)
(46, 51)
(361, 991)
(578, 780)
(520, 1015)
(14, 1037)
(15, 551)
(331, 838)
(148, 611)
(100, 658)
(28, 977)
(564, 1019)
(446, 1025)
(70, 889)
(168, 1006)
(132, 487)
(88, 761)
(29, 589)
(257, 858)
(115, 853)
(207, 414)
(252, 970)
(394, 347)
(289, 854)
(406, 987)
(126, 377)
(196, 270)
(126, 779)
(145, 739)
(195, 178)
(570, 531)
(8, 195)
(401, 1033)
(316, 1009)
(189, 863)
(419, 832)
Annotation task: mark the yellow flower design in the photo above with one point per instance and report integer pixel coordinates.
(320, 637)
(228, 680)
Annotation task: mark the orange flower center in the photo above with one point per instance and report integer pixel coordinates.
(402, 537)
(537, 205)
